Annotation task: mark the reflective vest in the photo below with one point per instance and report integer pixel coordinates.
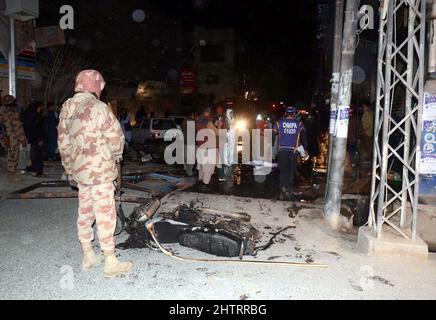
(289, 131)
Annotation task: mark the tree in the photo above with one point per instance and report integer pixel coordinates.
(58, 67)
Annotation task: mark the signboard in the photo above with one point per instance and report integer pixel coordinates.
(187, 81)
(332, 126)
(342, 118)
(428, 138)
(49, 36)
(25, 64)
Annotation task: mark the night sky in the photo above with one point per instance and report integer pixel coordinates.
(277, 38)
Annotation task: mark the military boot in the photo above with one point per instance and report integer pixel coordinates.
(113, 267)
(90, 259)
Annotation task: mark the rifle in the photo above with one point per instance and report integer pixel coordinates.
(121, 218)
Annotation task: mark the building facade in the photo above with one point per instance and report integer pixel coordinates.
(214, 61)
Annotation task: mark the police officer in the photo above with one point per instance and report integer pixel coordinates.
(291, 143)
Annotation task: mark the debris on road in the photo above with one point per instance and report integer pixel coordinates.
(213, 231)
(217, 232)
(282, 263)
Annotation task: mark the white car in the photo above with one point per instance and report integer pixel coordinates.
(152, 130)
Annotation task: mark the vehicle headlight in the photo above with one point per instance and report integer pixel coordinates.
(241, 125)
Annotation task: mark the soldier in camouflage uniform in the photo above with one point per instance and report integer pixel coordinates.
(90, 142)
(13, 136)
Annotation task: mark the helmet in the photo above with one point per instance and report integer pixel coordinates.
(8, 100)
(89, 81)
(290, 110)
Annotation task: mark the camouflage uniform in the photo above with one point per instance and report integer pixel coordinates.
(97, 200)
(14, 136)
(90, 141)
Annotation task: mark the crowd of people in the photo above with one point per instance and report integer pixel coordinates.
(29, 135)
(211, 155)
(218, 156)
(296, 139)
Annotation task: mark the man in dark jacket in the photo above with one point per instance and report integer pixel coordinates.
(33, 122)
(52, 122)
(141, 115)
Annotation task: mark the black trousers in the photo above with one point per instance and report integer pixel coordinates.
(37, 158)
(287, 162)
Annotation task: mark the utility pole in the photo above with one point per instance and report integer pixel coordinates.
(12, 60)
(334, 191)
(401, 68)
(339, 18)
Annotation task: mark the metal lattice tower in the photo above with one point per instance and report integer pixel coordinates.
(398, 116)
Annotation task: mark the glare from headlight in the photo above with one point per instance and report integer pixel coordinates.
(241, 125)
